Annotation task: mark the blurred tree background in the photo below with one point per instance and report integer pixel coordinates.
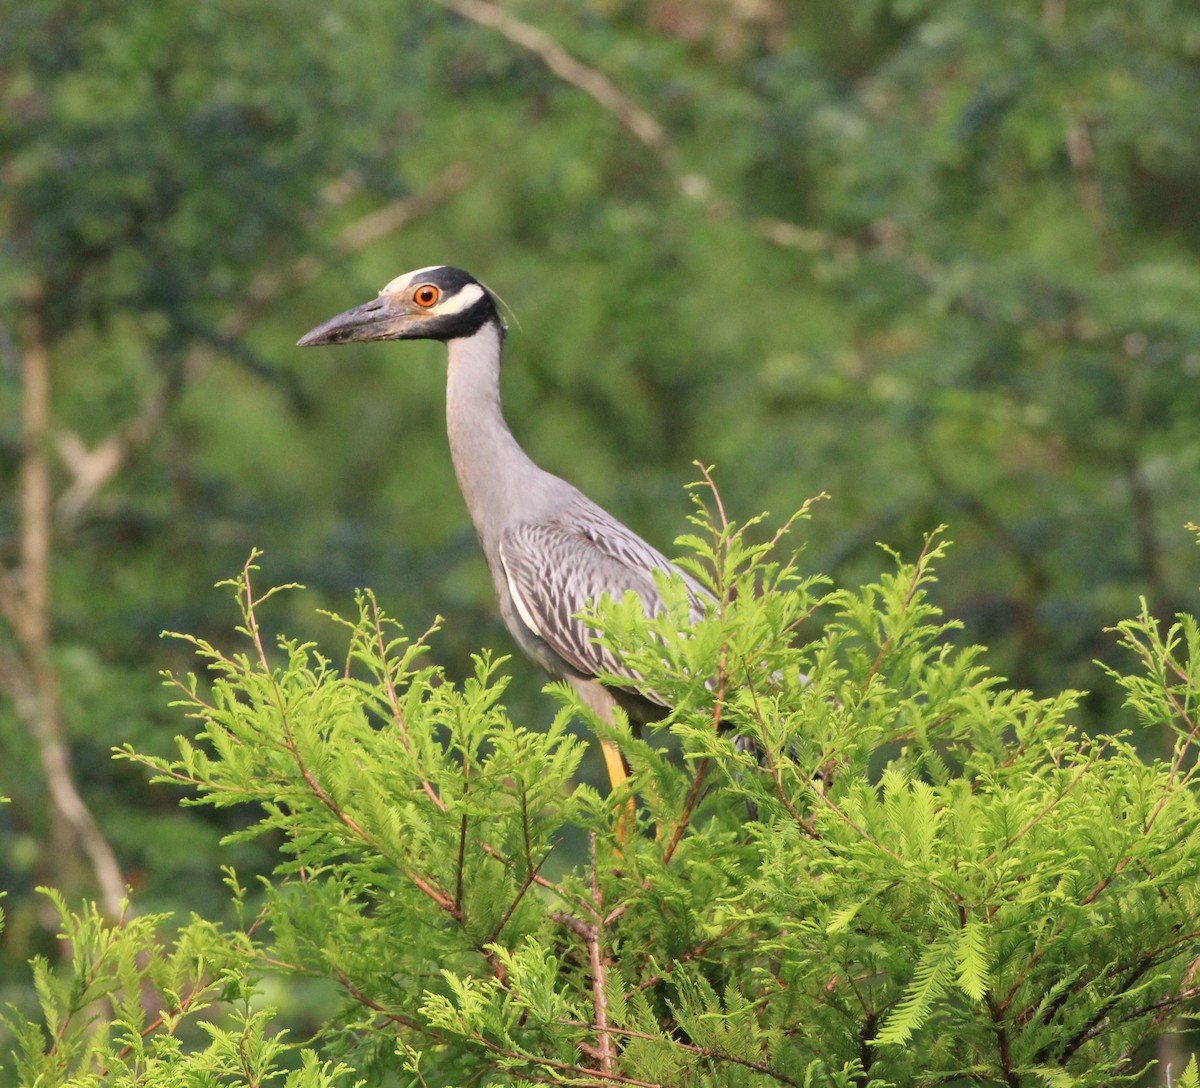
(938, 259)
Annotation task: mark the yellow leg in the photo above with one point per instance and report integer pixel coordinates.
(600, 701)
(616, 765)
(617, 774)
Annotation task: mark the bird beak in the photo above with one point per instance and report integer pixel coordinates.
(380, 319)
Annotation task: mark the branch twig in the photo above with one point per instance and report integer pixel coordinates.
(644, 127)
(595, 941)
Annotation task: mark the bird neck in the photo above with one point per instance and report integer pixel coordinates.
(494, 473)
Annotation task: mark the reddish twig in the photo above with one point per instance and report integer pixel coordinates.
(595, 942)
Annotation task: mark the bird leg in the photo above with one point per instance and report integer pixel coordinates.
(615, 762)
(618, 774)
(601, 702)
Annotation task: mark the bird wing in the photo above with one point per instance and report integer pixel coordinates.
(557, 567)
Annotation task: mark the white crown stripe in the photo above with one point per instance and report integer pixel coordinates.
(401, 282)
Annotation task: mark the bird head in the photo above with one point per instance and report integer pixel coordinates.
(437, 303)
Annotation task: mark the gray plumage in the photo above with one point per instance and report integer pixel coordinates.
(551, 550)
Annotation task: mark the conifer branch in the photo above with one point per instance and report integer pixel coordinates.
(596, 955)
(526, 884)
(806, 824)
(370, 1003)
(536, 877)
(1050, 805)
(693, 793)
(1101, 1013)
(201, 990)
(915, 582)
(428, 887)
(722, 517)
(1003, 1044)
(1165, 1006)
(1069, 943)
(583, 1076)
(460, 866)
(696, 951)
(100, 962)
(393, 698)
(710, 1053)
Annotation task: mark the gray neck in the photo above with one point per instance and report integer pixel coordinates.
(495, 475)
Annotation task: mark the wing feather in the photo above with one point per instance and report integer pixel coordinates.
(557, 567)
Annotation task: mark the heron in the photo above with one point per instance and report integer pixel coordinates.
(552, 552)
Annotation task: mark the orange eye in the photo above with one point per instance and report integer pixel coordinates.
(426, 295)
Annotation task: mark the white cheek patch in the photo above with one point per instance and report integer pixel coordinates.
(464, 300)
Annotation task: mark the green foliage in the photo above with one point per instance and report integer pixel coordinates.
(942, 882)
(133, 1010)
(937, 257)
(948, 272)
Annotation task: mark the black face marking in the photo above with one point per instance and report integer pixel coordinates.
(463, 308)
(466, 322)
(451, 280)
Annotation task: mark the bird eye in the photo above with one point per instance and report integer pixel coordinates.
(426, 295)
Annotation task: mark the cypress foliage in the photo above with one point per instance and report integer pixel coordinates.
(915, 875)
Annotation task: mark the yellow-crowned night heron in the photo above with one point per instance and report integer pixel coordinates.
(551, 550)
